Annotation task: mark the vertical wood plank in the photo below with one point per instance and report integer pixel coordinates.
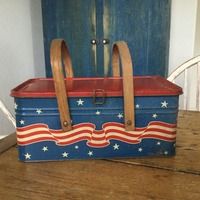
(99, 36)
(74, 22)
(198, 87)
(185, 95)
(144, 25)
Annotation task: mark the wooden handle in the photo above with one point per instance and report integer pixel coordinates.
(121, 51)
(60, 55)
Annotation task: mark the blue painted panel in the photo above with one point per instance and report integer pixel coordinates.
(94, 113)
(73, 21)
(145, 26)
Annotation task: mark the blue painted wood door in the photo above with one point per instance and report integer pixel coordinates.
(143, 24)
(73, 20)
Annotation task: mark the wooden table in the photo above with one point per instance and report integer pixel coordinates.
(171, 178)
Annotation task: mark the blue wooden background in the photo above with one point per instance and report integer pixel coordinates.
(143, 24)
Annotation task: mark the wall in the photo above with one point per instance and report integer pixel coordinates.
(184, 41)
(21, 49)
(197, 36)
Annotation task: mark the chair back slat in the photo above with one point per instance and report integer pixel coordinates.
(198, 87)
(183, 70)
(185, 104)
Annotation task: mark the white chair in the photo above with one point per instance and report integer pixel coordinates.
(10, 140)
(187, 85)
(7, 113)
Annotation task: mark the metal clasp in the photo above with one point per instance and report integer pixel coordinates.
(99, 96)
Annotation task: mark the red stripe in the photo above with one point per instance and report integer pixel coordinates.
(98, 145)
(36, 140)
(29, 127)
(73, 128)
(113, 137)
(33, 134)
(162, 124)
(122, 132)
(113, 124)
(160, 131)
(98, 139)
(74, 134)
(74, 141)
(152, 136)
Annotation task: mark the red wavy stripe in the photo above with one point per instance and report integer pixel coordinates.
(74, 141)
(152, 136)
(36, 140)
(164, 124)
(33, 134)
(74, 127)
(160, 131)
(73, 134)
(29, 127)
(98, 138)
(98, 145)
(135, 141)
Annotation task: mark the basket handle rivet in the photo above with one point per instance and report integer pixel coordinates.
(65, 123)
(129, 122)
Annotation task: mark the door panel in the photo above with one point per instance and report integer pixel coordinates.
(75, 21)
(144, 25)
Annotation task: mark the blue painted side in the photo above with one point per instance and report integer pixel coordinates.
(87, 112)
(145, 110)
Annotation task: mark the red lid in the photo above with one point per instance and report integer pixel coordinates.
(85, 87)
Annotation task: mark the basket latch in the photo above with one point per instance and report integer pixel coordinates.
(99, 96)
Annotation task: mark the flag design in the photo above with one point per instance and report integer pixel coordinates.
(95, 138)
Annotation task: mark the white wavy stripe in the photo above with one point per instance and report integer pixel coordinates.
(25, 132)
(65, 134)
(114, 134)
(100, 135)
(139, 132)
(58, 140)
(74, 137)
(98, 141)
(34, 130)
(38, 136)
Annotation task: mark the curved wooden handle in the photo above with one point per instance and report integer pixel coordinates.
(60, 55)
(121, 51)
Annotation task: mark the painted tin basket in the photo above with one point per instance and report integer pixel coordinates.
(84, 118)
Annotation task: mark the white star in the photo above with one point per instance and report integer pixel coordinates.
(27, 156)
(155, 115)
(137, 105)
(76, 147)
(98, 112)
(120, 115)
(164, 104)
(116, 147)
(16, 106)
(22, 122)
(45, 148)
(166, 152)
(140, 149)
(38, 111)
(65, 154)
(174, 144)
(80, 102)
(90, 153)
(158, 143)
